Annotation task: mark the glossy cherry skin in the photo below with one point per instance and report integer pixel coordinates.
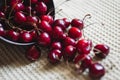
(18, 7)
(32, 19)
(2, 15)
(79, 58)
(96, 70)
(2, 32)
(101, 50)
(20, 17)
(13, 3)
(33, 53)
(45, 26)
(44, 39)
(77, 23)
(69, 53)
(67, 22)
(75, 33)
(56, 45)
(47, 18)
(12, 35)
(84, 46)
(57, 33)
(34, 35)
(41, 8)
(25, 36)
(69, 41)
(60, 23)
(54, 56)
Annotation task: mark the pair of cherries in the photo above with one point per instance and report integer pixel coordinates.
(64, 38)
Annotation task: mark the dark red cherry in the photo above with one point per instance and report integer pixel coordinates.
(25, 36)
(45, 26)
(32, 19)
(20, 17)
(15, 2)
(34, 1)
(41, 8)
(2, 32)
(47, 18)
(69, 41)
(75, 33)
(28, 9)
(101, 50)
(77, 23)
(12, 35)
(55, 56)
(69, 52)
(79, 58)
(44, 39)
(67, 22)
(18, 7)
(34, 35)
(46, 1)
(56, 45)
(2, 15)
(33, 53)
(57, 33)
(60, 23)
(84, 46)
(96, 70)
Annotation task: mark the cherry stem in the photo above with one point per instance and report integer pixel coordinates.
(30, 9)
(87, 15)
(101, 24)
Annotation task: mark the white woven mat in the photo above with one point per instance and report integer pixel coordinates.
(14, 66)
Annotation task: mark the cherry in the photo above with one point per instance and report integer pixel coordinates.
(60, 23)
(33, 53)
(74, 33)
(79, 58)
(54, 56)
(96, 70)
(34, 35)
(45, 26)
(20, 17)
(12, 35)
(25, 36)
(47, 18)
(2, 15)
(14, 2)
(69, 41)
(41, 8)
(34, 1)
(101, 50)
(46, 1)
(18, 7)
(57, 33)
(67, 22)
(32, 19)
(28, 9)
(69, 52)
(2, 32)
(84, 46)
(44, 39)
(77, 23)
(56, 45)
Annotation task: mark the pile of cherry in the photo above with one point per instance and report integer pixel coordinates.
(29, 20)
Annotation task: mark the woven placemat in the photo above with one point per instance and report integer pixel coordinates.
(14, 65)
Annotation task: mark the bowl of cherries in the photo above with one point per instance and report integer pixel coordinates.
(20, 19)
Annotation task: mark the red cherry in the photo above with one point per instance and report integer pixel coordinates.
(69, 53)
(77, 23)
(25, 36)
(34, 1)
(54, 56)
(96, 70)
(74, 33)
(34, 35)
(14, 2)
(41, 8)
(84, 46)
(18, 7)
(101, 50)
(12, 35)
(67, 22)
(56, 45)
(44, 39)
(32, 19)
(33, 53)
(28, 9)
(60, 23)
(2, 15)
(2, 32)
(79, 58)
(69, 41)
(47, 18)
(45, 26)
(20, 17)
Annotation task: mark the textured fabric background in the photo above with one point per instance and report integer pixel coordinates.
(14, 65)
